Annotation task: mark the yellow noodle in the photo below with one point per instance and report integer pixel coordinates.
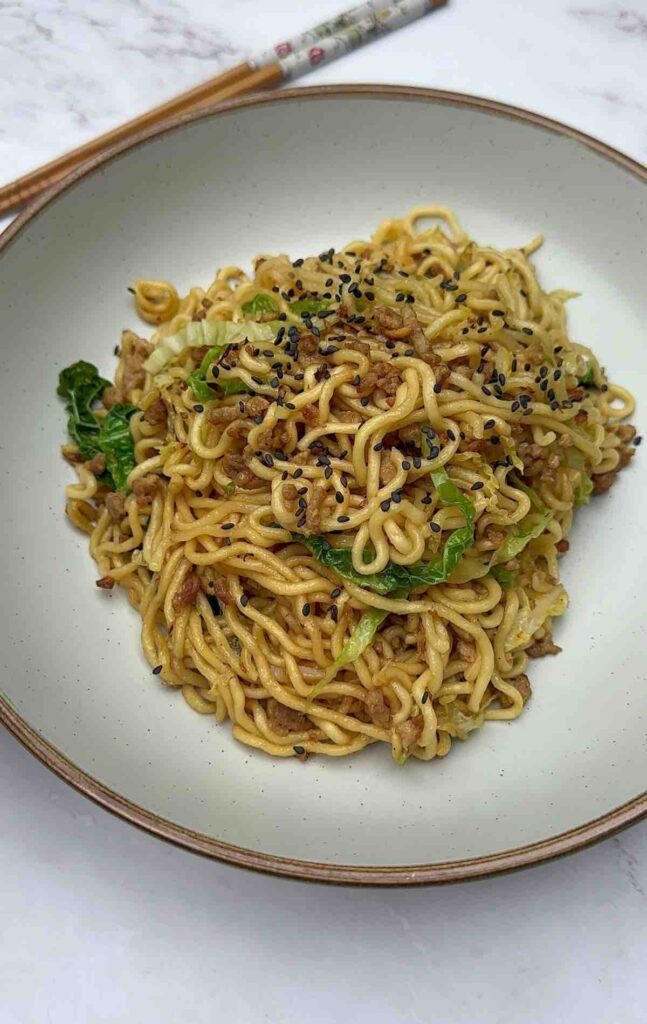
(433, 354)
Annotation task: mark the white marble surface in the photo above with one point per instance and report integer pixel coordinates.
(101, 923)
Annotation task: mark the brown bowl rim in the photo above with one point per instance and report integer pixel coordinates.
(419, 874)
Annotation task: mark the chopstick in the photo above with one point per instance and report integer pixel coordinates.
(286, 61)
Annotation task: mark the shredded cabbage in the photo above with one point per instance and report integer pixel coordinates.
(532, 617)
(211, 333)
(357, 643)
(530, 527)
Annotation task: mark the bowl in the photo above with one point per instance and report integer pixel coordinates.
(296, 172)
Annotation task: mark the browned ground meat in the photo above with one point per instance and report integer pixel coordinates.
(391, 323)
(135, 352)
(562, 546)
(347, 416)
(290, 492)
(465, 649)
(256, 406)
(222, 591)
(220, 415)
(520, 683)
(284, 720)
(112, 396)
(236, 466)
(378, 707)
(358, 346)
(156, 413)
(382, 376)
(310, 413)
(625, 432)
(187, 592)
(410, 732)
(313, 513)
(540, 648)
(144, 489)
(105, 583)
(115, 506)
(276, 438)
(97, 464)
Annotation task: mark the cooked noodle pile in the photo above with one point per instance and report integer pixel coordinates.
(337, 491)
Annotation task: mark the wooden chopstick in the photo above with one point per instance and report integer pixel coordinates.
(287, 60)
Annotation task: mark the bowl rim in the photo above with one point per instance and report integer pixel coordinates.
(419, 874)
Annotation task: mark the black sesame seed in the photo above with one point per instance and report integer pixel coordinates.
(489, 424)
(425, 697)
(363, 401)
(339, 497)
(158, 668)
(290, 405)
(396, 497)
(437, 389)
(461, 297)
(335, 593)
(435, 528)
(434, 452)
(451, 435)
(399, 297)
(486, 391)
(406, 465)
(297, 473)
(299, 750)
(215, 371)
(637, 441)
(550, 395)
(378, 447)
(306, 609)
(426, 500)
(514, 406)
(345, 278)
(543, 385)
(198, 408)
(417, 462)
(227, 526)
(410, 299)
(498, 312)
(477, 486)
(543, 371)
(301, 504)
(385, 505)
(244, 600)
(554, 405)
(557, 374)
(343, 519)
(527, 330)
(370, 296)
(334, 613)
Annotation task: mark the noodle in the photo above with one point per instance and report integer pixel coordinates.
(351, 479)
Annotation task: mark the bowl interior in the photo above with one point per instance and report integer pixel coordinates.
(298, 175)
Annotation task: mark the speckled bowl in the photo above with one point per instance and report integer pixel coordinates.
(298, 172)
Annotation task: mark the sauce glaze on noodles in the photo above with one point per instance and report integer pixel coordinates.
(433, 351)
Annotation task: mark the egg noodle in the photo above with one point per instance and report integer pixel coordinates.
(351, 478)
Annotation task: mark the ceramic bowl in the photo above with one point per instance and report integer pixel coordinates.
(297, 172)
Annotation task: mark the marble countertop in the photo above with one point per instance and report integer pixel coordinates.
(101, 923)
